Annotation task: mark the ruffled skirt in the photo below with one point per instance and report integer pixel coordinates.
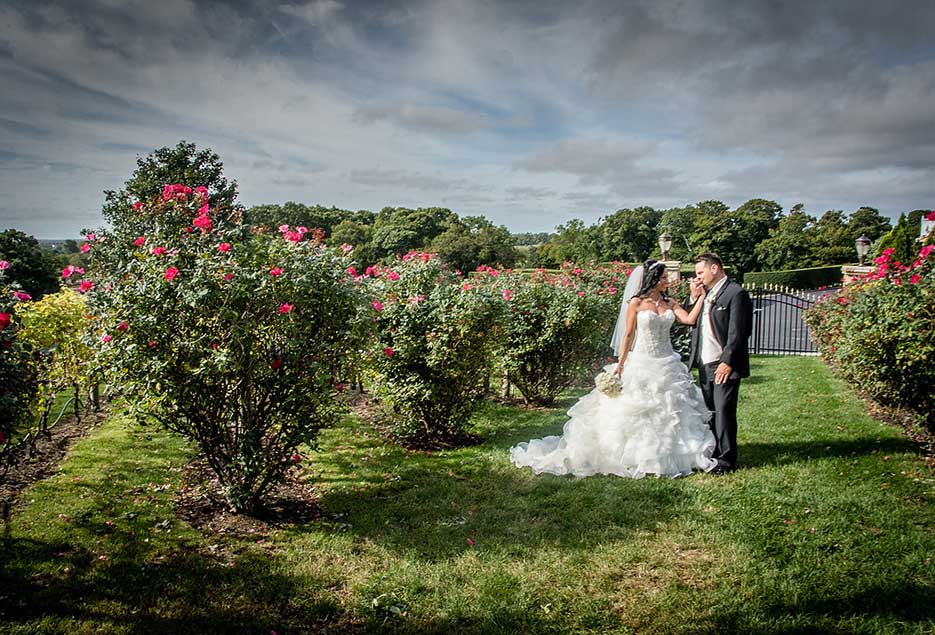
(658, 424)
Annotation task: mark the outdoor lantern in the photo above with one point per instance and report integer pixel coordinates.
(665, 243)
(862, 244)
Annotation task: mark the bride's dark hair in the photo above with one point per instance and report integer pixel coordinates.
(653, 270)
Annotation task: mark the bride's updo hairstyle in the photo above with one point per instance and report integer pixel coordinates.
(653, 270)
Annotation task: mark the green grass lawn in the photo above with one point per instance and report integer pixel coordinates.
(828, 528)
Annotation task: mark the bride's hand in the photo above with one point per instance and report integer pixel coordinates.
(619, 369)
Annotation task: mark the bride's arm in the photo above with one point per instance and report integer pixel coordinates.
(684, 316)
(629, 334)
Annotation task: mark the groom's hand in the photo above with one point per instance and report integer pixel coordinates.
(722, 374)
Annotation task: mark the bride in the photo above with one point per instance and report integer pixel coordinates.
(658, 422)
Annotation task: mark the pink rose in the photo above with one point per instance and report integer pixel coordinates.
(393, 275)
(137, 206)
(204, 210)
(930, 215)
(21, 296)
(915, 279)
(106, 338)
(71, 269)
(203, 223)
(90, 237)
(85, 248)
(152, 344)
(347, 248)
(171, 272)
(5, 320)
(389, 351)
(4, 265)
(228, 276)
(297, 457)
(377, 305)
(123, 326)
(139, 242)
(507, 295)
(275, 271)
(224, 247)
(466, 287)
(285, 308)
(352, 271)
(84, 286)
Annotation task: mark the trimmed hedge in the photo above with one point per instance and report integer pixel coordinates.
(803, 279)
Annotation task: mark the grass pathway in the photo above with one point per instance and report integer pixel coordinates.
(828, 528)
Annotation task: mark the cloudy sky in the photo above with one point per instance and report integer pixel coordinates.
(529, 112)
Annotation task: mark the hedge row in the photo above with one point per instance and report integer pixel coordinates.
(802, 279)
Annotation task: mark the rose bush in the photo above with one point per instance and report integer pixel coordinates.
(557, 326)
(55, 327)
(879, 333)
(18, 378)
(191, 327)
(432, 333)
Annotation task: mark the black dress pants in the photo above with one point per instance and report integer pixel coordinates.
(722, 400)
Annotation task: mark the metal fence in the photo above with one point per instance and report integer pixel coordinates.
(778, 327)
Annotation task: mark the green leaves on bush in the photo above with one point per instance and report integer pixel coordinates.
(557, 326)
(879, 333)
(18, 378)
(430, 351)
(231, 336)
(55, 327)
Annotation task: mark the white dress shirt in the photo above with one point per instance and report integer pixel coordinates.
(711, 349)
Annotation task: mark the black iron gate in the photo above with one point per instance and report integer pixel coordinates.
(778, 327)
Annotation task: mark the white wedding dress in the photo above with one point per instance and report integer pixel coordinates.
(656, 425)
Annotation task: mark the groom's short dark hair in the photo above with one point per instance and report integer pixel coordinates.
(710, 259)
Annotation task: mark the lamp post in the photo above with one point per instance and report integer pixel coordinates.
(665, 243)
(863, 246)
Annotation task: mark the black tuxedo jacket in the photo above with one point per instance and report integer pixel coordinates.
(732, 321)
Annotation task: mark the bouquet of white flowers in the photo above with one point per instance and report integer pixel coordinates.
(608, 383)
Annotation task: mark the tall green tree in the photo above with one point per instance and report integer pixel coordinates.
(869, 222)
(734, 235)
(34, 267)
(831, 240)
(680, 223)
(902, 240)
(573, 242)
(297, 215)
(629, 235)
(397, 230)
(357, 234)
(473, 241)
(789, 245)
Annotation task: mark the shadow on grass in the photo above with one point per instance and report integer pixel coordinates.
(439, 505)
(765, 454)
(173, 593)
(899, 601)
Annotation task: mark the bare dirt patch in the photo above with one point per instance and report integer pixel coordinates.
(201, 503)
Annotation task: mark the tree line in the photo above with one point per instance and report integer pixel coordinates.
(756, 236)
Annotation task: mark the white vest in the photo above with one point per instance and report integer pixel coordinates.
(711, 349)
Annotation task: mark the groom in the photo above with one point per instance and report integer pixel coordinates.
(719, 351)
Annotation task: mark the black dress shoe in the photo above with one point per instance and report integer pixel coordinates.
(721, 470)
